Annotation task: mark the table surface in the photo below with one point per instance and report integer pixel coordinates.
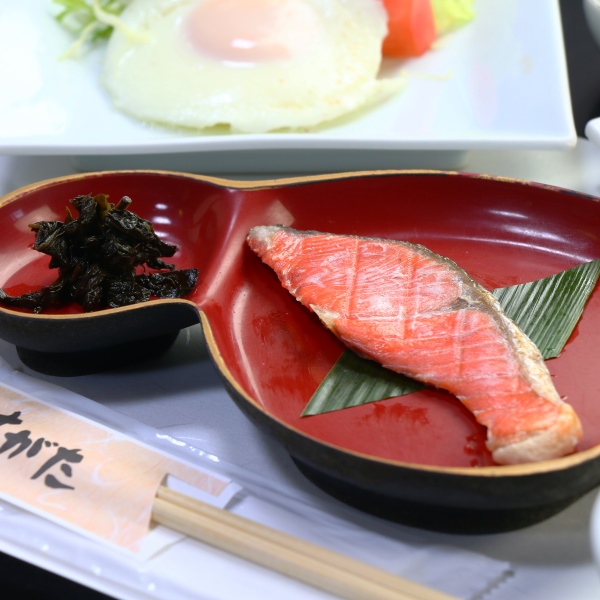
(574, 169)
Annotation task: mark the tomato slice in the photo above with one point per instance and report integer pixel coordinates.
(411, 27)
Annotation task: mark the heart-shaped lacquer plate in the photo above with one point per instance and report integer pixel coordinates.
(419, 459)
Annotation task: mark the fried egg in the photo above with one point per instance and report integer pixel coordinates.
(252, 65)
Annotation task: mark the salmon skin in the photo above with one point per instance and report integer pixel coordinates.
(419, 314)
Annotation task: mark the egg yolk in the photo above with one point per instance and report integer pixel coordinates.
(252, 31)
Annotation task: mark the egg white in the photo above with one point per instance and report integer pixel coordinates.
(155, 72)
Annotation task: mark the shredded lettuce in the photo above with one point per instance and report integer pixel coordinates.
(451, 14)
(90, 20)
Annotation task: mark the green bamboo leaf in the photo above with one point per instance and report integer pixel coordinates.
(547, 310)
(354, 381)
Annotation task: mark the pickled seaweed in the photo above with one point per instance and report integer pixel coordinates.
(103, 257)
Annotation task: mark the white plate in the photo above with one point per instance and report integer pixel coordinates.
(500, 82)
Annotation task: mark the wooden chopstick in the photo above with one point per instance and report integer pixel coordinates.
(286, 554)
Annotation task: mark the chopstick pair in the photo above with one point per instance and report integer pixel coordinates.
(296, 558)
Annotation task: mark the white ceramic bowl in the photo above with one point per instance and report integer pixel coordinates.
(591, 9)
(595, 530)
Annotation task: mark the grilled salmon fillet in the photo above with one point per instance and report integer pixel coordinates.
(419, 314)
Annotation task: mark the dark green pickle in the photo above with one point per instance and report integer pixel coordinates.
(102, 257)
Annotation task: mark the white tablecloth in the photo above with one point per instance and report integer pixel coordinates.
(181, 395)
